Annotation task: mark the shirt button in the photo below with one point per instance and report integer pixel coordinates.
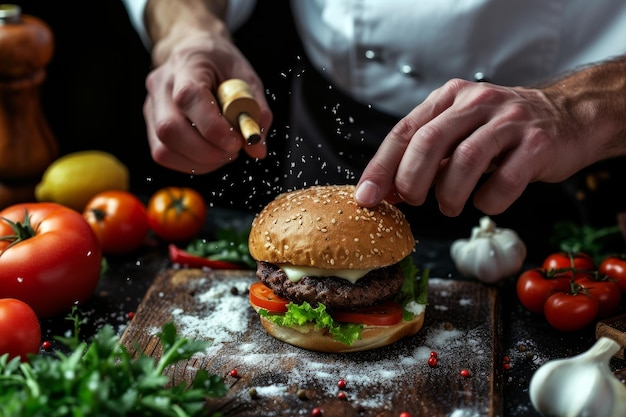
(370, 54)
(480, 76)
(407, 70)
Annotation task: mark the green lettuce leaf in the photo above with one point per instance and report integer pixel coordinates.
(305, 314)
(412, 289)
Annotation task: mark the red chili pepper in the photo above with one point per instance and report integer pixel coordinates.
(182, 257)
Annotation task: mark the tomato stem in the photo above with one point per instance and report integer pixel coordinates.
(99, 214)
(22, 230)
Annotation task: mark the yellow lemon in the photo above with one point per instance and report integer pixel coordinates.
(74, 178)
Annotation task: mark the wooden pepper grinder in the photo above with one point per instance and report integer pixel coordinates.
(27, 145)
(240, 108)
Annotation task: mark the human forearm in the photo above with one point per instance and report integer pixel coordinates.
(168, 21)
(593, 100)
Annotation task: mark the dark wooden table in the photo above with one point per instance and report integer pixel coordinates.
(527, 340)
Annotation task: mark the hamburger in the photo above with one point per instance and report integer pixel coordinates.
(334, 276)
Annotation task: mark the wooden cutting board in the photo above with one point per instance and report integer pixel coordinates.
(276, 379)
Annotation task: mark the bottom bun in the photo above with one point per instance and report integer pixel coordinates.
(320, 340)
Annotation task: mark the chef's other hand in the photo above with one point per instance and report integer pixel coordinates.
(516, 136)
(185, 127)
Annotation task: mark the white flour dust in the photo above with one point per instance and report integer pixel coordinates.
(224, 316)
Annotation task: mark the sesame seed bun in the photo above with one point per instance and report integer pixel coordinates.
(324, 227)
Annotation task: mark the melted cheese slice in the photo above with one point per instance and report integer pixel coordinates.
(296, 273)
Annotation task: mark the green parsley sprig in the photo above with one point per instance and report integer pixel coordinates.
(103, 378)
(595, 241)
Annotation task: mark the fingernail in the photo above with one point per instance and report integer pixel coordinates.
(367, 193)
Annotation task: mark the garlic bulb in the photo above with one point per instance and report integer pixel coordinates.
(580, 386)
(491, 253)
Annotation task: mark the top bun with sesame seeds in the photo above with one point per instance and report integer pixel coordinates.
(323, 227)
(322, 256)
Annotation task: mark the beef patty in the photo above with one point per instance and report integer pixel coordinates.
(335, 293)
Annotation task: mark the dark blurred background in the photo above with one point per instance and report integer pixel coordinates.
(95, 88)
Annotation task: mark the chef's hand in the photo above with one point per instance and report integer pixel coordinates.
(185, 127)
(466, 130)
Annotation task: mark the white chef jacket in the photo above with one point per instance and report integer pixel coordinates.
(391, 54)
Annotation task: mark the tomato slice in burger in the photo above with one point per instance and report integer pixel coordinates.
(263, 297)
(386, 314)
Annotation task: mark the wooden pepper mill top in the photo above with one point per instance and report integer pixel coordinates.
(240, 108)
(27, 145)
(26, 44)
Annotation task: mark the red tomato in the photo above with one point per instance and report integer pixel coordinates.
(176, 214)
(119, 219)
(386, 314)
(20, 333)
(562, 260)
(263, 297)
(614, 266)
(534, 286)
(606, 291)
(50, 257)
(570, 312)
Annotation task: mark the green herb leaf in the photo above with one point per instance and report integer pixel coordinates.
(230, 246)
(413, 288)
(103, 378)
(571, 237)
